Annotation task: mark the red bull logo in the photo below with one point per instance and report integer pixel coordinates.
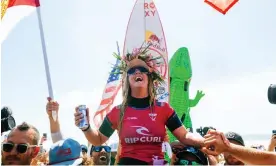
(155, 41)
(153, 38)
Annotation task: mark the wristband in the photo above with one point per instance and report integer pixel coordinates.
(88, 127)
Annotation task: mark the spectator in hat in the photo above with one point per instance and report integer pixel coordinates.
(65, 152)
(236, 139)
(84, 150)
(189, 156)
(21, 145)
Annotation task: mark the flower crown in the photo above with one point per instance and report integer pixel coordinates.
(140, 58)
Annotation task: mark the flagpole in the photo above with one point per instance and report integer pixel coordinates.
(118, 48)
(46, 64)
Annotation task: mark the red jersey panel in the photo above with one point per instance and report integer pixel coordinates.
(143, 131)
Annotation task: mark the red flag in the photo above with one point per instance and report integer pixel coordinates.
(221, 5)
(12, 11)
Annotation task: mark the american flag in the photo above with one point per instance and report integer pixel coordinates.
(111, 89)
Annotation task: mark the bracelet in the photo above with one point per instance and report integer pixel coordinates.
(88, 127)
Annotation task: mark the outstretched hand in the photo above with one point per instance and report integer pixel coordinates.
(215, 143)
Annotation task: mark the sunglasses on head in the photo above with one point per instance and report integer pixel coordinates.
(187, 162)
(100, 148)
(20, 148)
(185, 149)
(139, 68)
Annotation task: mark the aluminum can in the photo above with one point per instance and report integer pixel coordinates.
(84, 122)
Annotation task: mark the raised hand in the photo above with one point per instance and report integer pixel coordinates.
(79, 116)
(51, 106)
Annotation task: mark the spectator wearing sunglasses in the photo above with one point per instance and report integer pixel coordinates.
(101, 155)
(21, 145)
(189, 156)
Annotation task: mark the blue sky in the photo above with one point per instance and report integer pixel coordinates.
(233, 60)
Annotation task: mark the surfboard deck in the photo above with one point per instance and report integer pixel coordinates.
(145, 27)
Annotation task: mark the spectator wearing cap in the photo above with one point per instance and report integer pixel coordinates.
(189, 155)
(237, 139)
(21, 145)
(65, 152)
(84, 150)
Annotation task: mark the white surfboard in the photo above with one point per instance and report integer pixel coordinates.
(144, 26)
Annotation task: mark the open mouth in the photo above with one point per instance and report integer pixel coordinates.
(103, 158)
(138, 79)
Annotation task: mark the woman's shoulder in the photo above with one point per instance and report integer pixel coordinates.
(114, 113)
(164, 107)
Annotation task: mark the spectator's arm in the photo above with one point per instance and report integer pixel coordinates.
(54, 125)
(215, 143)
(252, 156)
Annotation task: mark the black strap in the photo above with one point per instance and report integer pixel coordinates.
(88, 127)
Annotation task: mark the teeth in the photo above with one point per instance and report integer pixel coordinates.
(138, 79)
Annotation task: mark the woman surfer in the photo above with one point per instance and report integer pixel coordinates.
(140, 119)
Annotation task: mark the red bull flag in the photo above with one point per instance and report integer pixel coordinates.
(12, 11)
(221, 5)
